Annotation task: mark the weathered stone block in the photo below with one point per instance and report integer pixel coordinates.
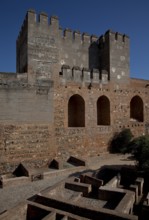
(79, 187)
(76, 161)
(55, 164)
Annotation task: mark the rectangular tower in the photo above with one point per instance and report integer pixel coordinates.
(114, 56)
(37, 46)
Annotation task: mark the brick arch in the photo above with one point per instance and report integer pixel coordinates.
(136, 109)
(76, 111)
(103, 111)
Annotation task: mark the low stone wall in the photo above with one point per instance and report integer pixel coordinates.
(81, 210)
(73, 170)
(37, 175)
(15, 215)
(125, 199)
(79, 187)
(76, 161)
(6, 182)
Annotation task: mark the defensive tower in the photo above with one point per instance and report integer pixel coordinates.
(114, 56)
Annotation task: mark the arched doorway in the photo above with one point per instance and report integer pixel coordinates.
(76, 111)
(136, 109)
(103, 111)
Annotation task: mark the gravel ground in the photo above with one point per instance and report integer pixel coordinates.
(11, 196)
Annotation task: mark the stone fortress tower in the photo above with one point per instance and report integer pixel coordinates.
(70, 94)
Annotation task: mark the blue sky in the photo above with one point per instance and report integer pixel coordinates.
(130, 17)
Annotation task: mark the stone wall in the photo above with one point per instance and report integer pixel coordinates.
(33, 143)
(34, 122)
(93, 138)
(26, 104)
(26, 122)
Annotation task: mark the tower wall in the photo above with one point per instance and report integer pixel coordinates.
(21, 49)
(114, 56)
(42, 43)
(79, 50)
(42, 46)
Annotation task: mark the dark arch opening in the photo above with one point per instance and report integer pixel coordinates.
(136, 109)
(103, 111)
(76, 111)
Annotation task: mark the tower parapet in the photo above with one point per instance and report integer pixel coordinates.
(80, 76)
(77, 36)
(54, 21)
(118, 37)
(86, 38)
(86, 74)
(43, 18)
(67, 73)
(31, 16)
(68, 35)
(95, 76)
(94, 38)
(77, 74)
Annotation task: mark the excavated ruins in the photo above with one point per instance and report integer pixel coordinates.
(113, 192)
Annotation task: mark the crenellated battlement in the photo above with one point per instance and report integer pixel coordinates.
(82, 75)
(94, 38)
(120, 37)
(43, 21)
(42, 18)
(77, 36)
(116, 36)
(67, 34)
(86, 38)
